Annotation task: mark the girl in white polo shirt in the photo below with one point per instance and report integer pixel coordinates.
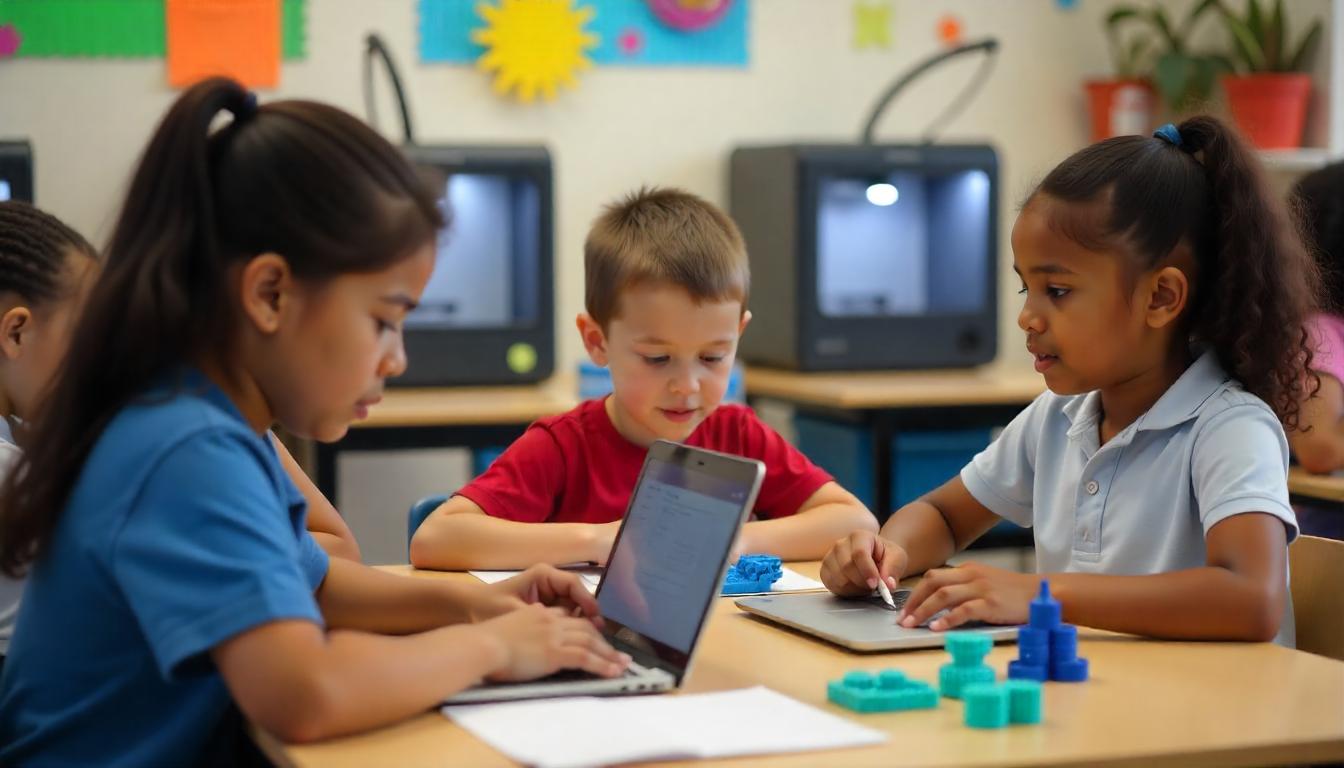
(1165, 292)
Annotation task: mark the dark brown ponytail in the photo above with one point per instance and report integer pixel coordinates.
(297, 178)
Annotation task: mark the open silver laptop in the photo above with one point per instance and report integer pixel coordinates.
(665, 569)
(859, 624)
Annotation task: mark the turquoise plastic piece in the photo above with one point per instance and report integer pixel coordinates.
(968, 651)
(968, 648)
(986, 706)
(887, 691)
(1024, 701)
(953, 678)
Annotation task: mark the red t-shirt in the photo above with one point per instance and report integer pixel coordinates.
(576, 468)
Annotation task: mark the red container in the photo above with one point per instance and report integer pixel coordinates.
(1120, 107)
(1270, 108)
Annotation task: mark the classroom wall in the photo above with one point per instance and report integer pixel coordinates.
(622, 127)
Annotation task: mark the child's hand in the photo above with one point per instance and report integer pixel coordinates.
(971, 592)
(604, 535)
(856, 563)
(538, 641)
(546, 585)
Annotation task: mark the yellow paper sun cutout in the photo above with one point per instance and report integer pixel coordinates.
(533, 45)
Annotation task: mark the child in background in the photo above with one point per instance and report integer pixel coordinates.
(666, 292)
(169, 570)
(1319, 445)
(1165, 296)
(45, 269)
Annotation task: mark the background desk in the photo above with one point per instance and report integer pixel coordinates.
(886, 403)
(1321, 488)
(1148, 703)
(473, 417)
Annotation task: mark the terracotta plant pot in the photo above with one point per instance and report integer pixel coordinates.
(1270, 108)
(1119, 107)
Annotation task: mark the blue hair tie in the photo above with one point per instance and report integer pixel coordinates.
(248, 108)
(1170, 134)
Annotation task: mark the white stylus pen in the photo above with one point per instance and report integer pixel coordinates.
(885, 593)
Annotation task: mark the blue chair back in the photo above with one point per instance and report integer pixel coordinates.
(419, 511)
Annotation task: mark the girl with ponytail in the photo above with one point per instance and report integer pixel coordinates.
(259, 273)
(1164, 299)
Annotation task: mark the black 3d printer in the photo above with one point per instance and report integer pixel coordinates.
(487, 314)
(871, 256)
(16, 171)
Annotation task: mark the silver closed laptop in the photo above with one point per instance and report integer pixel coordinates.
(859, 624)
(665, 570)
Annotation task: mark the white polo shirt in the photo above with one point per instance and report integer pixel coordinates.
(10, 589)
(1143, 502)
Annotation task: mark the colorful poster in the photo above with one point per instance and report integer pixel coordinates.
(116, 28)
(629, 33)
(234, 38)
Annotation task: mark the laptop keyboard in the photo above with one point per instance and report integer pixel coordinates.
(578, 675)
(898, 597)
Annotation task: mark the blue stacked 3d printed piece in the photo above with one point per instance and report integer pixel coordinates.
(1046, 648)
(752, 573)
(887, 691)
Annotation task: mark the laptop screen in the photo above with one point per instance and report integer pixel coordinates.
(669, 559)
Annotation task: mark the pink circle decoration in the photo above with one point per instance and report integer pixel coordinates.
(9, 40)
(630, 41)
(689, 15)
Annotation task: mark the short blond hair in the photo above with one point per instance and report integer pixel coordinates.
(663, 235)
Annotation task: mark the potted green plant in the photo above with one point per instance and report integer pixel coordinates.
(1148, 48)
(1123, 103)
(1268, 89)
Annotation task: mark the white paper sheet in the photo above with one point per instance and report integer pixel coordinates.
(583, 731)
(590, 575)
(791, 581)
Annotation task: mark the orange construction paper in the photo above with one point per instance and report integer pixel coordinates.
(235, 38)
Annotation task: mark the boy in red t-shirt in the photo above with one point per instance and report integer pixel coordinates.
(666, 283)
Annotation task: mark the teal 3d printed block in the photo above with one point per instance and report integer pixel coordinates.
(986, 705)
(887, 691)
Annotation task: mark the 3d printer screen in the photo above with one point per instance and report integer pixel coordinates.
(903, 244)
(486, 274)
(4, 190)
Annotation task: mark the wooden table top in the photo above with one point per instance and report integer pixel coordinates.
(1148, 703)
(897, 389)
(464, 406)
(1323, 487)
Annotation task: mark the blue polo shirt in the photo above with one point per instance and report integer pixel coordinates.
(1143, 502)
(181, 532)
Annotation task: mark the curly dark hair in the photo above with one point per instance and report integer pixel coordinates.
(1254, 285)
(33, 249)
(1319, 199)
